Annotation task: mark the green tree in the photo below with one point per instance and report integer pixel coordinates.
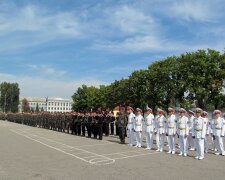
(37, 108)
(9, 99)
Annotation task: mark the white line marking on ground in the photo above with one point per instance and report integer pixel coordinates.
(103, 158)
(136, 155)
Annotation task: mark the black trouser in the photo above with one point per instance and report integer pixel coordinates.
(89, 130)
(78, 129)
(95, 131)
(112, 128)
(117, 130)
(83, 129)
(107, 129)
(100, 132)
(122, 134)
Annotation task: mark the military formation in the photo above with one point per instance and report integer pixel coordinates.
(182, 129)
(93, 124)
(186, 130)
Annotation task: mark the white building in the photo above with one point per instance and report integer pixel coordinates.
(48, 104)
(59, 105)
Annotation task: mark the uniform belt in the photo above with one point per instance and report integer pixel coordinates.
(182, 128)
(148, 124)
(198, 129)
(218, 128)
(138, 124)
(170, 127)
(160, 126)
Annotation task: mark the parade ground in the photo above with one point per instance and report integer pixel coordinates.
(34, 153)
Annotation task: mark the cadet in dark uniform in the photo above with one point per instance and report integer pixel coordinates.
(99, 126)
(94, 126)
(83, 123)
(112, 123)
(89, 124)
(122, 124)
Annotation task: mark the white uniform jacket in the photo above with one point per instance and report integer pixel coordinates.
(149, 123)
(131, 121)
(171, 128)
(160, 124)
(218, 126)
(182, 126)
(199, 128)
(138, 123)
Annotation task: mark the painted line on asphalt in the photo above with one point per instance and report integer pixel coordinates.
(102, 144)
(102, 158)
(137, 155)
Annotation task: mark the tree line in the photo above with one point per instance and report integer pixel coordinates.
(188, 80)
(9, 97)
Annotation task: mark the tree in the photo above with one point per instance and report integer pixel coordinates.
(37, 108)
(25, 105)
(178, 81)
(9, 99)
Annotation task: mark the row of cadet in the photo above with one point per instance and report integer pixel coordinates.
(193, 128)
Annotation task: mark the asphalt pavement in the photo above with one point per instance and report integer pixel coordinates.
(28, 153)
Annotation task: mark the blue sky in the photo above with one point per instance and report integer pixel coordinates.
(51, 47)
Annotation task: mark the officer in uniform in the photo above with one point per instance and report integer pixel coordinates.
(95, 125)
(183, 131)
(160, 125)
(83, 123)
(149, 128)
(89, 124)
(99, 125)
(122, 124)
(112, 123)
(171, 130)
(138, 126)
(130, 125)
(199, 132)
(190, 124)
(218, 129)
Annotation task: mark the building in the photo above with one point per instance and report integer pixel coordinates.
(59, 105)
(48, 104)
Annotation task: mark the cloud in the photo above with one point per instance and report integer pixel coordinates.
(44, 69)
(192, 10)
(32, 25)
(43, 87)
(131, 21)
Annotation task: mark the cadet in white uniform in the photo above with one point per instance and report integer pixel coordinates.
(208, 131)
(171, 130)
(199, 132)
(218, 129)
(183, 131)
(138, 126)
(130, 125)
(160, 125)
(190, 124)
(149, 121)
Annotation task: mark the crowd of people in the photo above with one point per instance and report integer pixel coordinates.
(193, 129)
(187, 130)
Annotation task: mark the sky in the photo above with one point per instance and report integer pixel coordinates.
(51, 47)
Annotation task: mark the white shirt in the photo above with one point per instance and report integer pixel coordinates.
(171, 125)
(182, 126)
(131, 121)
(149, 123)
(138, 123)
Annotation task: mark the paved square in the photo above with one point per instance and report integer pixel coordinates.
(35, 153)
